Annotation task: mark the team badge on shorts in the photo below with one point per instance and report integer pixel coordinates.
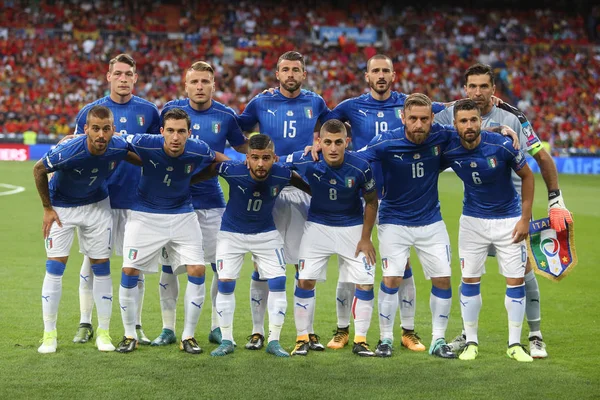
(49, 243)
(552, 253)
(462, 263)
(133, 253)
(220, 265)
(384, 263)
(300, 265)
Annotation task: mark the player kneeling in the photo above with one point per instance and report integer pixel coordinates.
(336, 225)
(248, 226)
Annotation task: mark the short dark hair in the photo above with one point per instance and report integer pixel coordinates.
(417, 99)
(99, 112)
(202, 66)
(176, 114)
(379, 57)
(260, 142)
(333, 126)
(480, 69)
(465, 105)
(291, 56)
(122, 58)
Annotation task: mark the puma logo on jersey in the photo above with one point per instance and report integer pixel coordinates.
(79, 171)
(458, 163)
(154, 163)
(399, 156)
(318, 177)
(242, 189)
(271, 111)
(363, 112)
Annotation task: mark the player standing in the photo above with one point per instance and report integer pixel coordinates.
(336, 225)
(248, 226)
(163, 217)
(492, 216)
(132, 114)
(77, 197)
(369, 115)
(215, 124)
(480, 87)
(290, 117)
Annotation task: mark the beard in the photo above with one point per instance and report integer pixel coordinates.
(376, 89)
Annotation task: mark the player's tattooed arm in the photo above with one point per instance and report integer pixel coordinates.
(528, 182)
(299, 183)
(40, 175)
(133, 158)
(365, 245)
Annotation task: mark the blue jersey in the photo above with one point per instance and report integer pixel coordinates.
(137, 115)
(336, 192)
(411, 174)
(486, 172)
(289, 122)
(80, 177)
(164, 187)
(250, 206)
(369, 117)
(214, 126)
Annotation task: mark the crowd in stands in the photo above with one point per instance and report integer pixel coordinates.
(54, 56)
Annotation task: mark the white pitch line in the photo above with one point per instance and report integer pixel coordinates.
(13, 189)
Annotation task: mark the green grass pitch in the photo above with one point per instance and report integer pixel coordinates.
(569, 323)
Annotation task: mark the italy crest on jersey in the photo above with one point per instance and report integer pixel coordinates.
(112, 165)
(133, 253)
(492, 162)
(398, 112)
(140, 120)
(274, 191)
(350, 181)
(308, 112)
(216, 127)
(435, 150)
(189, 168)
(552, 253)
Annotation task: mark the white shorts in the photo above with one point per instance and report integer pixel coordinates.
(119, 218)
(146, 234)
(210, 224)
(266, 248)
(431, 243)
(290, 213)
(94, 231)
(319, 242)
(476, 235)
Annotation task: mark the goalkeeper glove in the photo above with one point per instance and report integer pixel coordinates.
(557, 211)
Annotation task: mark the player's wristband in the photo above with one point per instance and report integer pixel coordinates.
(555, 199)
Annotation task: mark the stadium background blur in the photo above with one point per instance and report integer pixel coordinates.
(547, 62)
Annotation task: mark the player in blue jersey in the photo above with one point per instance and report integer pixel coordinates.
(77, 197)
(336, 225)
(132, 114)
(163, 219)
(215, 124)
(480, 87)
(370, 114)
(248, 226)
(410, 216)
(290, 117)
(492, 216)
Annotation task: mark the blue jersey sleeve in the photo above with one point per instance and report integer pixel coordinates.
(249, 118)
(58, 158)
(438, 107)
(80, 121)
(322, 109)
(235, 136)
(340, 112)
(369, 185)
(154, 127)
(371, 151)
(297, 161)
